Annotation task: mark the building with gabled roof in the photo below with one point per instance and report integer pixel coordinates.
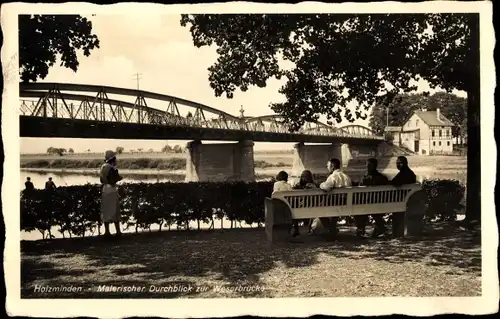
(425, 133)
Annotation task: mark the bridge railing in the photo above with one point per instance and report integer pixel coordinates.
(105, 113)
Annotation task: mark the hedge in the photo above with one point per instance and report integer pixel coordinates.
(75, 210)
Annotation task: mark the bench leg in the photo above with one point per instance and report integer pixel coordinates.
(278, 222)
(411, 222)
(398, 224)
(415, 211)
(280, 234)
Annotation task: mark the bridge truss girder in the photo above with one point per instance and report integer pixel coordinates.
(51, 102)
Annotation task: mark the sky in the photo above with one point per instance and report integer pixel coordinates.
(163, 53)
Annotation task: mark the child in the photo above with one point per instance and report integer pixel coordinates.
(281, 184)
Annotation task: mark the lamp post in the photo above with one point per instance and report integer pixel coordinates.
(387, 116)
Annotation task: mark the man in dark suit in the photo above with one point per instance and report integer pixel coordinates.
(405, 176)
(372, 178)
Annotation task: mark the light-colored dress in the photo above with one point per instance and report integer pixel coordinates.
(281, 186)
(110, 204)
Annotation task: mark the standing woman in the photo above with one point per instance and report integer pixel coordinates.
(110, 204)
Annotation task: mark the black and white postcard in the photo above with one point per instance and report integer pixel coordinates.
(216, 160)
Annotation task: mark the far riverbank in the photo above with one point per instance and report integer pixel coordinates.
(170, 164)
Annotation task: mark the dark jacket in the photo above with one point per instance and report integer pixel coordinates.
(111, 174)
(374, 179)
(29, 186)
(405, 176)
(50, 186)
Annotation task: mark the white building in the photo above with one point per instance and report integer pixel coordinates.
(426, 133)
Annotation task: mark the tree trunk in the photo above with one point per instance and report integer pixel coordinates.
(473, 210)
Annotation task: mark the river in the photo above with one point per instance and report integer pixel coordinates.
(64, 179)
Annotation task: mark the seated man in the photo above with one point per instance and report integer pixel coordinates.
(405, 176)
(337, 178)
(372, 178)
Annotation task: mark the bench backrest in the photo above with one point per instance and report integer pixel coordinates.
(360, 200)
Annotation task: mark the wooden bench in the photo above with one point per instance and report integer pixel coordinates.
(283, 207)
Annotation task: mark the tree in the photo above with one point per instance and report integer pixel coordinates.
(166, 149)
(343, 58)
(43, 38)
(71, 151)
(55, 150)
(400, 109)
(177, 149)
(119, 150)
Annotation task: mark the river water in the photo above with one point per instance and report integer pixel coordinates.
(62, 179)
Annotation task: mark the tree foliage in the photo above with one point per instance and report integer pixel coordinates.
(402, 107)
(44, 38)
(337, 59)
(55, 150)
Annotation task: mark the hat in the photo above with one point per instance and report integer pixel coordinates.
(109, 155)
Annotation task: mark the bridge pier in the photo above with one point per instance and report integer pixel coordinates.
(354, 154)
(220, 162)
(314, 157)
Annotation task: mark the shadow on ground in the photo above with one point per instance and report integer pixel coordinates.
(441, 245)
(234, 257)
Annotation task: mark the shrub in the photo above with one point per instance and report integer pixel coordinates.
(75, 210)
(444, 198)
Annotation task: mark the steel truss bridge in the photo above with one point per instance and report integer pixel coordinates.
(87, 111)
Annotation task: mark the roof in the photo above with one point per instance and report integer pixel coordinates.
(398, 129)
(430, 118)
(392, 128)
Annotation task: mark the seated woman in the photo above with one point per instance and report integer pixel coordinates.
(281, 184)
(306, 182)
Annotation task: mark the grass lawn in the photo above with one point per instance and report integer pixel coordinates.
(447, 262)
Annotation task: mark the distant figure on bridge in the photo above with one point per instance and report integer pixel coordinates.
(29, 187)
(306, 181)
(372, 178)
(110, 205)
(405, 176)
(281, 184)
(337, 178)
(50, 185)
